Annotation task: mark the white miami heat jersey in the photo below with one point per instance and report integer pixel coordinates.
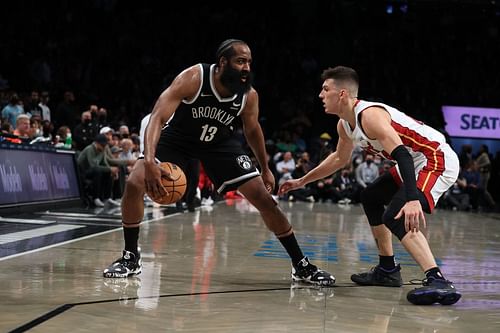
(432, 156)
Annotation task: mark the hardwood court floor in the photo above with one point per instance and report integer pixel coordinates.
(219, 270)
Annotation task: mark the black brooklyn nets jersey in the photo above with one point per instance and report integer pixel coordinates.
(207, 118)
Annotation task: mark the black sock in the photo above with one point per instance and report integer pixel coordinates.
(131, 236)
(434, 273)
(292, 247)
(387, 262)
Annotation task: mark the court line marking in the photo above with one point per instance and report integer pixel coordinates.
(24, 221)
(63, 308)
(44, 231)
(82, 238)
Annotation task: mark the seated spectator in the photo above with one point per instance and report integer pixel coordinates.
(478, 196)
(63, 138)
(456, 196)
(285, 167)
(367, 171)
(124, 132)
(345, 187)
(23, 127)
(93, 166)
(324, 191)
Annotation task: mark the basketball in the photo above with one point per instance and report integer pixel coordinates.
(176, 187)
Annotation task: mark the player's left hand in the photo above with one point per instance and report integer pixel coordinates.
(268, 178)
(413, 213)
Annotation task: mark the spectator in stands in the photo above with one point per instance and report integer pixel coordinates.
(122, 165)
(64, 138)
(44, 100)
(465, 156)
(84, 131)
(35, 127)
(13, 109)
(285, 167)
(124, 132)
(478, 196)
(456, 196)
(23, 128)
(136, 140)
(101, 120)
(32, 107)
(367, 171)
(47, 129)
(304, 165)
(484, 165)
(67, 111)
(345, 188)
(95, 168)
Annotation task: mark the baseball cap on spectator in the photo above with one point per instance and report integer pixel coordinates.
(325, 136)
(101, 139)
(106, 129)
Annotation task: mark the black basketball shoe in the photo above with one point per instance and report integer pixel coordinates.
(378, 276)
(309, 273)
(434, 291)
(128, 264)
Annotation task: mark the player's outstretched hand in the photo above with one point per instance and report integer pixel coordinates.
(289, 185)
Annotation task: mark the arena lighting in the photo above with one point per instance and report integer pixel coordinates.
(396, 6)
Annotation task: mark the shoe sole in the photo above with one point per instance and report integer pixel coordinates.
(316, 283)
(118, 275)
(446, 298)
(363, 283)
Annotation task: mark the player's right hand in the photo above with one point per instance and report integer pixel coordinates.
(152, 180)
(289, 185)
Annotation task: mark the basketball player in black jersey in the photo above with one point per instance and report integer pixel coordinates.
(203, 106)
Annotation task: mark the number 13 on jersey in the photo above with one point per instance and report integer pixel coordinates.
(208, 133)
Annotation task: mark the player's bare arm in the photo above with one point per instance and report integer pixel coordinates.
(255, 137)
(184, 86)
(329, 165)
(376, 124)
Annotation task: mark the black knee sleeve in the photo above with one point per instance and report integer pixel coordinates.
(375, 196)
(397, 227)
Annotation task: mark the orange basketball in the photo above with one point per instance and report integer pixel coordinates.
(176, 187)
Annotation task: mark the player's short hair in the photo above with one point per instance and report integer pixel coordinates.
(342, 74)
(226, 49)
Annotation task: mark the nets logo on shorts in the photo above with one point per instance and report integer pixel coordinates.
(244, 162)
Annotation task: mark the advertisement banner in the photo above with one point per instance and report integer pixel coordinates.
(28, 176)
(472, 122)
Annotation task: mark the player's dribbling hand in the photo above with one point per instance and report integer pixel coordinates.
(413, 213)
(268, 178)
(152, 180)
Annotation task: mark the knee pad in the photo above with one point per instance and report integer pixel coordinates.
(397, 227)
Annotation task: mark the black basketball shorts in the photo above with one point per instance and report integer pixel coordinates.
(227, 164)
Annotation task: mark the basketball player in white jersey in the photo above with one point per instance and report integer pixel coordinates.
(395, 202)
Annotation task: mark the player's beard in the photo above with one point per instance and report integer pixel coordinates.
(231, 79)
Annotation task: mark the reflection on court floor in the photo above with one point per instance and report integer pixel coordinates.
(220, 270)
